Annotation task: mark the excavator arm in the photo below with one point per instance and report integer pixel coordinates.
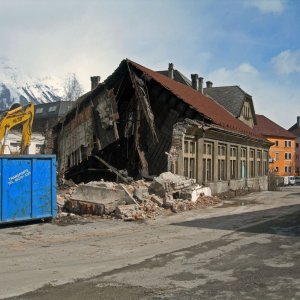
(18, 116)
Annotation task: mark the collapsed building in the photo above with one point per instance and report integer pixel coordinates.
(139, 123)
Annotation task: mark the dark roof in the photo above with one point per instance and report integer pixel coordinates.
(52, 109)
(269, 128)
(295, 130)
(230, 97)
(178, 76)
(204, 105)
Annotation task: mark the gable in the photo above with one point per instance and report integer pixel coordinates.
(246, 114)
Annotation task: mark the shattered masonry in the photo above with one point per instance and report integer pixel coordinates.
(137, 201)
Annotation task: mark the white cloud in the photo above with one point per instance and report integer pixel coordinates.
(267, 6)
(287, 62)
(270, 96)
(246, 68)
(242, 73)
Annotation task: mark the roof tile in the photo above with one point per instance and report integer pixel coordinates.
(269, 128)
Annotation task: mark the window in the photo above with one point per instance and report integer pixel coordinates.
(297, 145)
(265, 163)
(288, 169)
(221, 162)
(207, 162)
(287, 156)
(252, 164)
(39, 110)
(287, 144)
(38, 148)
(259, 163)
(14, 147)
(207, 148)
(189, 159)
(233, 162)
(52, 108)
(297, 157)
(276, 169)
(276, 156)
(276, 143)
(243, 162)
(186, 147)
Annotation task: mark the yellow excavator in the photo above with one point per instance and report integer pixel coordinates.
(17, 115)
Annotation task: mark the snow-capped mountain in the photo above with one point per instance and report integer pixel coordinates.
(18, 87)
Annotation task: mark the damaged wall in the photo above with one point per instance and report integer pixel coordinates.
(89, 128)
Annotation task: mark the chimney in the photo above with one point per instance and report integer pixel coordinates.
(200, 85)
(171, 71)
(194, 78)
(209, 84)
(298, 122)
(95, 80)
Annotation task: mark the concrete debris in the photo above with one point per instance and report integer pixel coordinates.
(201, 202)
(130, 212)
(169, 185)
(84, 208)
(60, 201)
(140, 193)
(136, 201)
(157, 200)
(193, 192)
(109, 194)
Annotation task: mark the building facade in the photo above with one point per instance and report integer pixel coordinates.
(13, 143)
(282, 155)
(295, 129)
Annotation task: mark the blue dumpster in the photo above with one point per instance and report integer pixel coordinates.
(27, 187)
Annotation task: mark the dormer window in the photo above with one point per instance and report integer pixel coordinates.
(52, 108)
(39, 110)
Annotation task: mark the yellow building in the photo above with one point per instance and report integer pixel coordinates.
(282, 153)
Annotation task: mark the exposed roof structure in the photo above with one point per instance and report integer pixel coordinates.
(269, 128)
(204, 105)
(230, 97)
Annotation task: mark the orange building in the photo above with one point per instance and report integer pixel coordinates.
(282, 153)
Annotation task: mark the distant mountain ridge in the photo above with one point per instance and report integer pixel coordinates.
(18, 87)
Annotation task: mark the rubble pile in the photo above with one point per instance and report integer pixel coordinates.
(64, 193)
(201, 202)
(138, 200)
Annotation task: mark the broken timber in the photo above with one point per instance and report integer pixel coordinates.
(111, 168)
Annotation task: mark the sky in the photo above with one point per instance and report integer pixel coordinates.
(254, 44)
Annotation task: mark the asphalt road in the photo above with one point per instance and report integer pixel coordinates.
(247, 249)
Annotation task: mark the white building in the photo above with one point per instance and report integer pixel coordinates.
(13, 142)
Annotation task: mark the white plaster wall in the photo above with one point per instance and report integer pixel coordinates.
(258, 183)
(15, 137)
